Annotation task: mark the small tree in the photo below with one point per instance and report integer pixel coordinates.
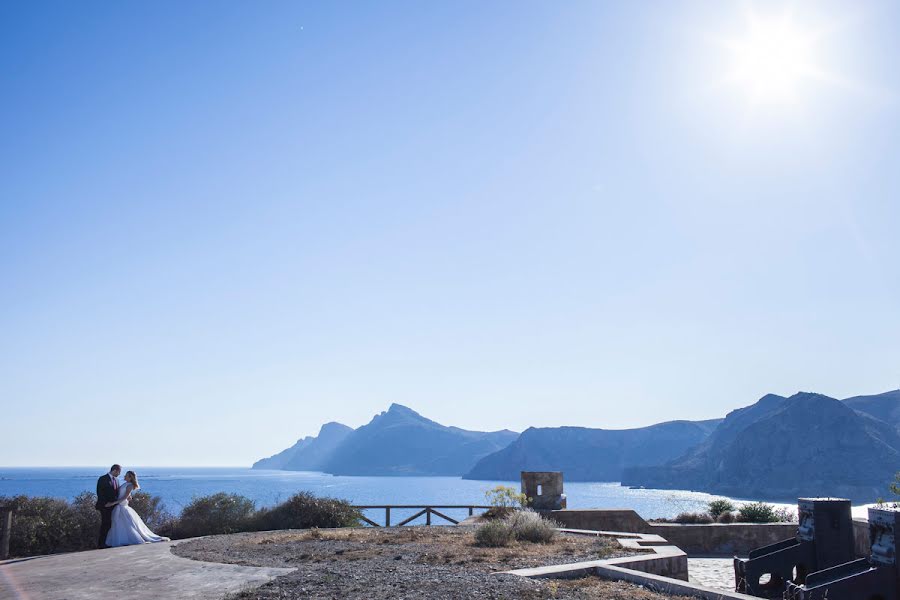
(504, 500)
(720, 506)
(504, 496)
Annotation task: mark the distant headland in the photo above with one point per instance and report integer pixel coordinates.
(848, 448)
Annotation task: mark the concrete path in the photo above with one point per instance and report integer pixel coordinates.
(145, 572)
(716, 573)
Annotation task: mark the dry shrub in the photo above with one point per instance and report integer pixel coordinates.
(529, 526)
(523, 525)
(497, 512)
(687, 518)
(726, 518)
(494, 534)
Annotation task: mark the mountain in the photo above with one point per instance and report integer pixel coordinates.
(309, 453)
(885, 407)
(317, 453)
(591, 454)
(780, 448)
(400, 441)
(277, 461)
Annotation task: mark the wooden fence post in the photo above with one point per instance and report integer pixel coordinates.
(387, 516)
(6, 519)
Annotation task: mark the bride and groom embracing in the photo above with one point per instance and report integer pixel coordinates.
(119, 524)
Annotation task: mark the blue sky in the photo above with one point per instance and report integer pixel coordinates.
(223, 224)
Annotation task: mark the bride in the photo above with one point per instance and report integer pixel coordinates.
(127, 527)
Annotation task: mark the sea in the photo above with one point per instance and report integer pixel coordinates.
(177, 486)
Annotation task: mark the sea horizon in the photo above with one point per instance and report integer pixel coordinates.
(177, 486)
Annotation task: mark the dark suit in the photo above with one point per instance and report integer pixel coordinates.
(106, 492)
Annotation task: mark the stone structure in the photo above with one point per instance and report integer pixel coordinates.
(824, 539)
(714, 539)
(660, 567)
(544, 489)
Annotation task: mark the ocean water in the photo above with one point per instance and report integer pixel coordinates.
(178, 485)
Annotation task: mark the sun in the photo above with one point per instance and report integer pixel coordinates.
(772, 60)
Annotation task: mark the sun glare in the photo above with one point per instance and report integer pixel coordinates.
(772, 60)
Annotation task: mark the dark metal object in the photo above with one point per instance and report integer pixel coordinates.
(873, 578)
(824, 539)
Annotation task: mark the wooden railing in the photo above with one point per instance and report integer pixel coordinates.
(426, 509)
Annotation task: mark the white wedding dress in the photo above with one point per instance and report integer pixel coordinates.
(127, 526)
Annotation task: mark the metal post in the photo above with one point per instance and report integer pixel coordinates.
(428, 516)
(471, 510)
(6, 516)
(387, 516)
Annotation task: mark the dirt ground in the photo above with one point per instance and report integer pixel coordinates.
(410, 562)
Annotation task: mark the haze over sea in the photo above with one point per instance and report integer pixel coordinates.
(178, 485)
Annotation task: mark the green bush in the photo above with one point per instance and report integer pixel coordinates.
(41, 526)
(151, 510)
(50, 525)
(216, 514)
(757, 512)
(494, 534)
(305, 510)
(688, 518)
(87, 520)
(720, 506)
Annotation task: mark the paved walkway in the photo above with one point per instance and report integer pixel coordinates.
(716, 573)
(145, 572)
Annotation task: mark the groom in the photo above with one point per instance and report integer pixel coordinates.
(107, 494)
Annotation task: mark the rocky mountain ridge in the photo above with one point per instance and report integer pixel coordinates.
(776, 448)
(781, 448)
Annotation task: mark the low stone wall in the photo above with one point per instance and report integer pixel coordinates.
(718, 539)
(663, 570)
(654, 555)
(861, 546)
(602, 519)
(698, 540)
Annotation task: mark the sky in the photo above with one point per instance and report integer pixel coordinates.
(223, 224)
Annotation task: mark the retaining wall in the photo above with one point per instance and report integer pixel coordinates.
(720, 539)
(664, 569)
(605, 519)
(699, 540)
